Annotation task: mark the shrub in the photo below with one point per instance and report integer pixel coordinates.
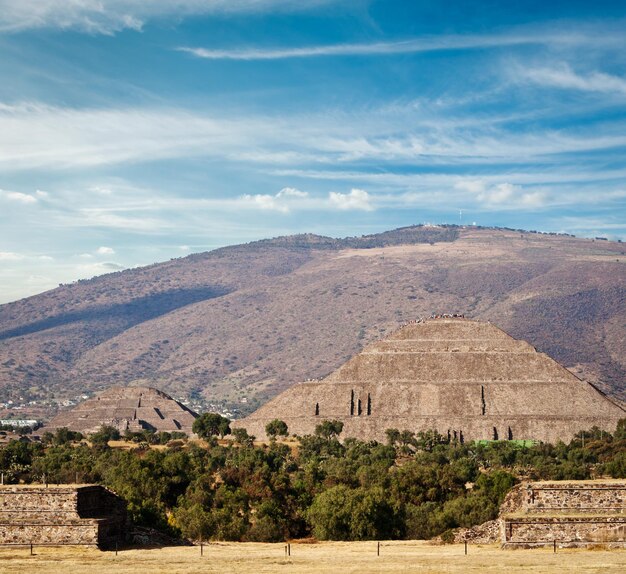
(276, 428)
(211, 424)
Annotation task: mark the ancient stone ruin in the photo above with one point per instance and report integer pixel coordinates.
(51, 515)
(567, 513)
(467, 379)
(127, 408)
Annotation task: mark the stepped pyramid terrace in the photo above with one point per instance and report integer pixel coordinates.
(564, 513)
(127, 408)
(56, 515)
(458, 376)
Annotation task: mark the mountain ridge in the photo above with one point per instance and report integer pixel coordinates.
(237, 325)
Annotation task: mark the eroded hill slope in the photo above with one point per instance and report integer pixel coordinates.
(241, 324)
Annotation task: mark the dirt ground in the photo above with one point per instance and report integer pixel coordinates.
(344, 557)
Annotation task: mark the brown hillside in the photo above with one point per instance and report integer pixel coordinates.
(243, 323)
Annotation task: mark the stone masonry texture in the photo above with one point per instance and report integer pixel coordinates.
(39, 514)
(127, 408)
(570, 513)
(457, 376)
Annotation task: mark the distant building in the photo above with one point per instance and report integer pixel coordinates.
(127, 409)
(32, 423)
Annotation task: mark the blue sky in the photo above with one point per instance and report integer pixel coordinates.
(133, 131)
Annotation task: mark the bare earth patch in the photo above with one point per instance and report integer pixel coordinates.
(344, 557)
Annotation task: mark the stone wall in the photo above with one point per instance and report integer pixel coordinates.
(61, 515)
(571, 513)
(77, 533)
(584, 497)
(565, 531)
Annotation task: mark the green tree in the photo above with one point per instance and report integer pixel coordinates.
(428, 440)
(242, 437)
(211, 424)
(16, 459)
(331, 513)
(63, 435)
(495, 485)
(407, 441)
(276, 428)
(342, 513)
(329, 429)
(102, 437)
(616, 468)
(393, 436)
(194, 522)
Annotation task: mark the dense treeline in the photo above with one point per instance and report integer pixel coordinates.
(416, 486)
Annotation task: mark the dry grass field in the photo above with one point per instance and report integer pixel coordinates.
(344, 557)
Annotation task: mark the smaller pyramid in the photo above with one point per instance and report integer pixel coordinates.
(466, 379)
(127, 408)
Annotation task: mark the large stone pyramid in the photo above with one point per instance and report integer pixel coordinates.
(458, 376)
(127, 408)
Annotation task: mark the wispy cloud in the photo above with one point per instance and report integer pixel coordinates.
(564, 77)
(110, 16)
(557, 175)
(502, 195)
(18, 197)
(105, 218)
(105, 250)
(409, 46)
(10, 256)
(40, 136)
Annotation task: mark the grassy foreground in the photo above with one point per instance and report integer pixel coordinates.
(344, 557)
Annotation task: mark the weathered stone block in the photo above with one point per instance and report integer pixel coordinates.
(570, 513)
(38, 514)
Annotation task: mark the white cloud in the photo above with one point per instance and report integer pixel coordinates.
(291, 192)
(357, 199)
(110, 16)
(562, 76)
(36, 136)
(10, 256)
(184, 247)
(105, 251)
(502, 195)
(104, 217)
(18, 197)
(283, 201)
(46, 258)
(263, 201)
(86, 256)
(514, 37)
(100, 190)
